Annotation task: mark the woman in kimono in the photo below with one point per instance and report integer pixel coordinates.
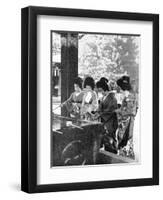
(106, 113)
(126, 115)
(73, 103)
(90, 102)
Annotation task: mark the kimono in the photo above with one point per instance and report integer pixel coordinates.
(73, 104)
(108, 116)
(89, 105)
(126, 117)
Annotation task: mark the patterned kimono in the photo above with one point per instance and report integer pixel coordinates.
(89, 105)
(73, 104)
(125, 125)
(108, 116)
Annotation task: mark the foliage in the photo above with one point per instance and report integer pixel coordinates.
(104, 55)
(108, 55)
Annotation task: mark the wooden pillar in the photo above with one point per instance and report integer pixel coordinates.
(69, 65)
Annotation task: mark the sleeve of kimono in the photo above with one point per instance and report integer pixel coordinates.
(89, 107)
(113, 103)
(94, 104)
(83, 109)
(68, 104)
(69, 100)
(110, 105)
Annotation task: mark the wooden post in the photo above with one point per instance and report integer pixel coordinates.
(69, 65)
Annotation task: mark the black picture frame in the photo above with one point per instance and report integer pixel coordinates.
(29, 98)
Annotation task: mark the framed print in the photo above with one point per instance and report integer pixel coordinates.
(90, 99)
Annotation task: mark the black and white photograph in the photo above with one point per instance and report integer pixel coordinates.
(95, 111)
(90, 98)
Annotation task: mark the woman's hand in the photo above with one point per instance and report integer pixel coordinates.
(96, 115)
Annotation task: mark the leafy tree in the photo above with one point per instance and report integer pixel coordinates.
(104, 55)
(108, 55)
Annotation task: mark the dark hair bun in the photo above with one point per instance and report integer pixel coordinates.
(103, 83)
(124, 83)
(78, 81)
(90, 82)
(104, 80)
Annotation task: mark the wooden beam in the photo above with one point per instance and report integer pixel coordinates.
(114, 158)
(69, 64)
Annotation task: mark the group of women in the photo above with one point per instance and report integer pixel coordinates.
(112, 103)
